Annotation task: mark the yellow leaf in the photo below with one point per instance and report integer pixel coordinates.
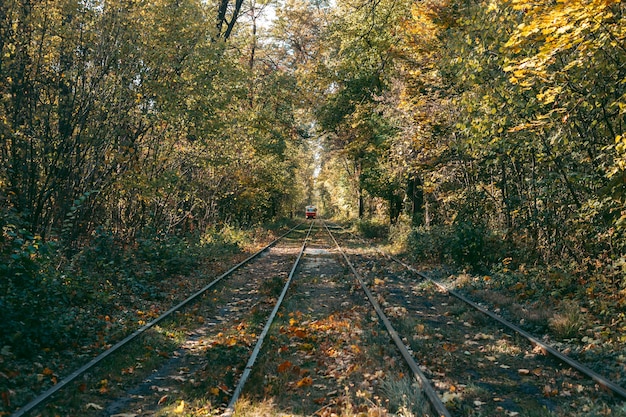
(181, 407)
(305, 382)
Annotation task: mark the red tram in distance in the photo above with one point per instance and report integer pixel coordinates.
(310, 212)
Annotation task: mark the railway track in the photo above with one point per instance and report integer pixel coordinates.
(480, 363)
(77, 386)
(316, 324)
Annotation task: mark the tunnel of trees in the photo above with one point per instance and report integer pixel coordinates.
(488, 133)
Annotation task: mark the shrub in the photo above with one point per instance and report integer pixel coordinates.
(464, 244)
(372, 229)
(568, 323)
(427, 244)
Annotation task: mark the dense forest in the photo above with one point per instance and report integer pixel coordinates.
(137, 137)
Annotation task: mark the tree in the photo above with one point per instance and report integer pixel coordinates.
(360, 54)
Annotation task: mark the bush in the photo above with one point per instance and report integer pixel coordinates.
(372, 229)
(400, 233)
(426, 245)
(464, 244)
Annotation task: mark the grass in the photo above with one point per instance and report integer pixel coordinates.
(568, 323)
(406, 398)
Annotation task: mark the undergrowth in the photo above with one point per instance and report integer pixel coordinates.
(53, 304)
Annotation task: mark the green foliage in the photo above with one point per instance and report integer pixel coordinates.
(49, 301)
(372, 228)
(464, 244)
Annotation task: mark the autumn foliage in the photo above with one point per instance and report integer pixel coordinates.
(138, 137)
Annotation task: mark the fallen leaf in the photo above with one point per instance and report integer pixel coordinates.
(129, 370)
(94, 406)
(449, 396)
(180, 408)
(523, 371)
(548, 391)
(285, 366)
(305, 382)
(162, 400)
(448, 347)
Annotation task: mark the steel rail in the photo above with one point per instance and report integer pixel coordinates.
(46, 395)
(230, 409)
(601, 380)
(593, 375)
(421, 377)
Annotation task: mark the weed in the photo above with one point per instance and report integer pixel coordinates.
(372, 229)
(246, 408)
(567, 323)
(273, 286)
(405, 397)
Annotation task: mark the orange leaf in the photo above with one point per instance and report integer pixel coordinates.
(284, 367)
(48, 371)
(449, 347)
(300, 333)
(305, 382)
(162, 400)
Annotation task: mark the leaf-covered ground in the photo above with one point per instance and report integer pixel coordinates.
(326, 354)
(106, 294)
